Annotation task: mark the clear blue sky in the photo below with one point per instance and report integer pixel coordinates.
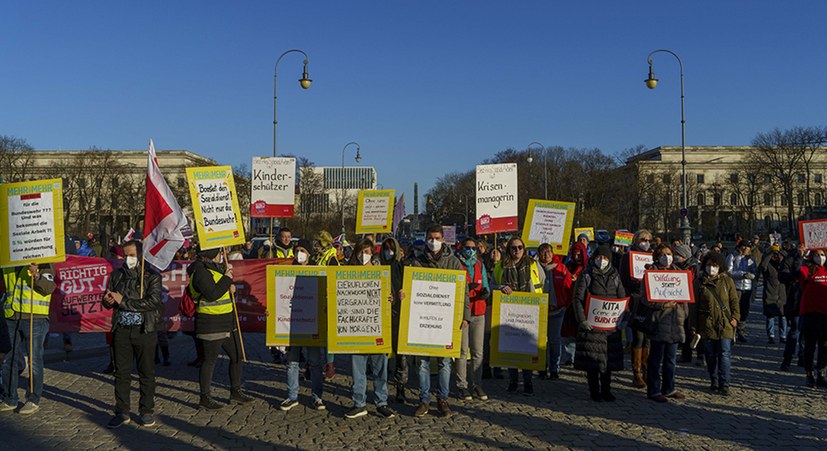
(425, 87)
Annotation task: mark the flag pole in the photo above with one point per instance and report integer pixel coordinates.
(235, 312)
(31, 331)
(142, 275)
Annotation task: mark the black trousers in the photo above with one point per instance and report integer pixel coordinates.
(129, 343)
(744, 302)
(232, 347)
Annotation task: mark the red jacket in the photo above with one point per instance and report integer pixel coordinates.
(562, 282)
(573, 267)
(813, 290)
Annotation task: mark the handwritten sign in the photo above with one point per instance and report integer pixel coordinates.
(589, 231)
(666, 286)
(296, 300)
(519, 330)
(215, 204)
(31, 223)
(813, 233)
(604, 313)
(548, 222)
(496, 198)
(273, 187)
(623, 239)
(375, 211)
(638, 262)
(430, 318)
(358, 311)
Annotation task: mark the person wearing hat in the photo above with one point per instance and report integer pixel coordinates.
(685, 261)
(324, 250)
(775, 295)
(211, 286)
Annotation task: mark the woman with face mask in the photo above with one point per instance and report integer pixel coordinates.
(813, 316)
(470, 385)
(775, 295)
(715, 317)
(641, 242)
(598, 352)
(669, 332)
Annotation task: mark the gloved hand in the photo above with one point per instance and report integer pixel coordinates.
(483, 292)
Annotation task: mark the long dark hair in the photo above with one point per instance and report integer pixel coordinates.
(363, 244)
(507, 260)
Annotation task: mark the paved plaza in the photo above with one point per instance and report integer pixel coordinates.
(768, 409)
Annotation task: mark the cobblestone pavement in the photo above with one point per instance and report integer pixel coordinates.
(768, 409)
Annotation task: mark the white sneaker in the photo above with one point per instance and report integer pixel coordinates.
(28, 408)
(6, 407)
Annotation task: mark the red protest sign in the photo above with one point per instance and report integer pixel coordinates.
(667, 286)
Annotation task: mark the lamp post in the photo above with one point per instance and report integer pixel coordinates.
(342, 179)
(304, 82)
(545, 169)
(651, 83)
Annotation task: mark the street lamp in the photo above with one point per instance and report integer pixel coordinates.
(545, 168)
(651, 83)
(304, 82)
(342, 179)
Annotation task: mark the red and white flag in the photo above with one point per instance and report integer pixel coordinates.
(164, 222)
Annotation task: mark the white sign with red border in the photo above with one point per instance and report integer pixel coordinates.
(604, 313)
(668, 286)
(638, 262)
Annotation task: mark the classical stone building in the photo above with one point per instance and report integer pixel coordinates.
(727, 193)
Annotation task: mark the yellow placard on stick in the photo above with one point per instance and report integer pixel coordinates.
(548, 221)
(215, 203)
(31, 223)
(296, 305)
(589, 231)
(431, 315)
(519, 330)
(358, 310)
(375, 211)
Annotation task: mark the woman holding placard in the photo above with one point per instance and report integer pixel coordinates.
(813, 311)
(668, 319)
(641, 242)
(599, 352)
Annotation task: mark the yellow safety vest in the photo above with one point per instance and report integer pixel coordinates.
(280, 253)
(20, 297)
(220, 306)
(327, 255)
(535, 276)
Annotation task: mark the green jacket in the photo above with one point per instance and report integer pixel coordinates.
(708, 318)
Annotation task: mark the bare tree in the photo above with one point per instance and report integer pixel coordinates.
(782, 155)
(16, 159)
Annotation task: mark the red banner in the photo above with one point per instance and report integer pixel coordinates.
(81, 282)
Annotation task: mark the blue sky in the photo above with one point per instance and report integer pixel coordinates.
(425, 87)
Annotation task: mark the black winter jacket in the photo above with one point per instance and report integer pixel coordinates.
(127, 282)
(203, 283)
(597, 350)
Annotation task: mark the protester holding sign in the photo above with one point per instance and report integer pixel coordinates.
(211, 285)
(438, 255)
(473, 335)
(717, 310)
(392, 256)
(598, 352)
(668, 332)
(28, 294)
(559, 286)
(137, 318)
(641, 242)
(813, 280)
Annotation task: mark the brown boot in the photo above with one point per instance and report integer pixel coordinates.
(637, 380)
(644, 364)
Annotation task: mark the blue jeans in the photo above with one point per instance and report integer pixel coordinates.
(665, 355)
(444, 364)
(718, 356)
(791, 349)
(19, 337)
(776, 327)
(379, 364)
(314, 359)
(555, 340)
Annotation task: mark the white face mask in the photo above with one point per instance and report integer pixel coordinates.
(644, 245)
(365, 258)
(819, 260)
(301, 257)
(601, 263)
(131, 262)
(665, 260)
(434, 245)
(712, 270)
(388, 254)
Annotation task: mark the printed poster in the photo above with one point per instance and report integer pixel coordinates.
(548, 221)
(215, 204)
(296, 305)
(375, 211)
(358, 310)
(666, 286)
(496, 198)
(273, 185)
(813, 234)
(604, 313)
(519, 330)
(449, 235)
(31, 223)
(431, 314)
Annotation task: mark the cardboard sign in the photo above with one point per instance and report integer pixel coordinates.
(375, 211)
(296, 306)
(431, 315)
(449, 235)
(623, 238)
(589, 231)
(215, 204)
(496, 198)
(666, 286)
(813, 234)
(604, 313)
(273, 185)
(358, 310)
(31, 223)
(519, 330)
(638, 262)
(548, 221)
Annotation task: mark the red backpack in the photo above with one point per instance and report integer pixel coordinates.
(187, 305)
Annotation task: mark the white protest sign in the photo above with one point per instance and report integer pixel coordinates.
(431, 315)
(31, 222)
(273, 187)
(813, 233)
(297, 305)
(496, 198)
(548, 221)
(519, 326)
(358, 314)
(604, 313)
(638, 262)
(666, 286)
(375, 211)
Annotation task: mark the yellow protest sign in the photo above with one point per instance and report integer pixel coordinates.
(589, 231)
(358, 310)
(296, 306)
(375, 211)
(519, 328)
(31, 223)
(548, 221)
(430, 318)
(215, 204)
